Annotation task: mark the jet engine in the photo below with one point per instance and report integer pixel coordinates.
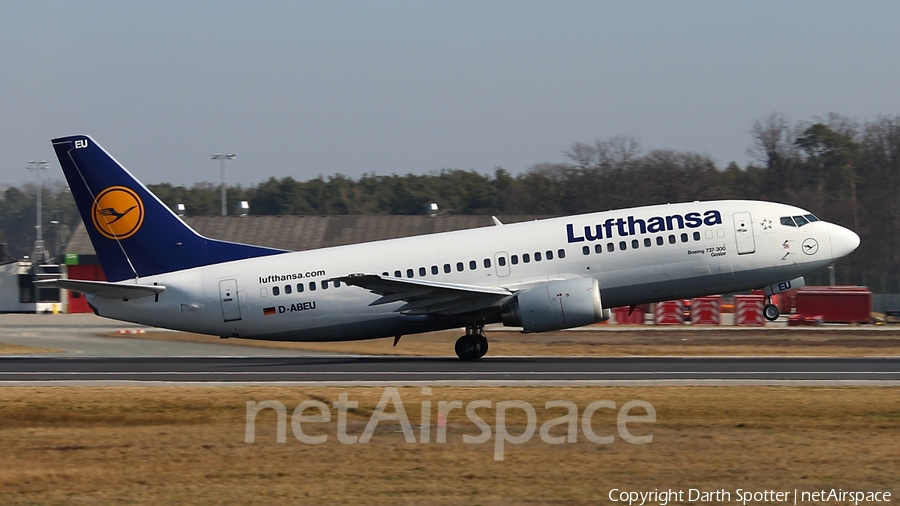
(556, 305)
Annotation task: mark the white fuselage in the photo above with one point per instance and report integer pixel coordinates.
(742, 245)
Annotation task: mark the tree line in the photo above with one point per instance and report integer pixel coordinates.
(843, 170)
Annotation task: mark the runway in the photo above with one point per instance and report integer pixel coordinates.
(86, 335)
(349, 369)
(88, 356)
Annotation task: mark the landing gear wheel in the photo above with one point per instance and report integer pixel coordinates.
(473, 345)
(468, 347)
(771, 312)
(483, 344)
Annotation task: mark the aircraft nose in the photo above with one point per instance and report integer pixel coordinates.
(843, 240)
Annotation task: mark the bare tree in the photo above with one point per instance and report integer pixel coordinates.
(773, 140)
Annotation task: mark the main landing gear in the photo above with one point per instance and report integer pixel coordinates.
(771, 311)
(473, 345)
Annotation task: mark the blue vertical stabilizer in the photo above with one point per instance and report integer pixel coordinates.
(133, 232)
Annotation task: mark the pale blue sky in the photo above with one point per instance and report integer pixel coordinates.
(308, 88)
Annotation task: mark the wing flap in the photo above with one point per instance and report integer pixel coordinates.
(428, 297)
(105, 289)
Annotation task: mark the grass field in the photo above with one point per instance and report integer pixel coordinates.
(14, 349)
(831, 341)
(185, 445)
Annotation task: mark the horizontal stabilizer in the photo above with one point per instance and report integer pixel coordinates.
(105, 289)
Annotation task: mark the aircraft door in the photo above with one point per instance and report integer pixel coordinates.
(228, 293)
(743, 233)
(501, 261)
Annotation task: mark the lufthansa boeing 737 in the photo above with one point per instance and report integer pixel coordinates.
(541, 275)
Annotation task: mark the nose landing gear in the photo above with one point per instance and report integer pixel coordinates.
(473, 345)
(771, 311)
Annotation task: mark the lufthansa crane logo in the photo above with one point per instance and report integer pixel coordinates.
(810, 246)
(117, 212)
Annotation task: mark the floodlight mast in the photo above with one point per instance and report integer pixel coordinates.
(37, 167)
(221, 158)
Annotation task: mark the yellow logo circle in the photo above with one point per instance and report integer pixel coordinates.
(117, 212)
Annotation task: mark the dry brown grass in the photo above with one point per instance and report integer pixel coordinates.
(185, 445)
(869, 341)
(14, 349)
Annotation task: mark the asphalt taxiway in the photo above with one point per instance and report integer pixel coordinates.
(86, 335)
(418, 369)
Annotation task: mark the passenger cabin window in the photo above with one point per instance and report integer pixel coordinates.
(324, 285)
(514, 259)
(459, 266)
(446, 268)
(409, 273)
(810, 217)
(422, 271)
(598, 248)
(586, 250)
(634, 244)
(537, 256)
(487, 263)
(696, 236)
(312, 286)
(800, 220)
(501, 261)
(549, 255)
(788, 221)
(610, 247)
(276, 291)
(526, 257)
(287, 289)
(397, 274)
(337, 284)
(299, 287)
(659, 240)
(671, 239)
(622, 245)
(472, 265)
(434, 269)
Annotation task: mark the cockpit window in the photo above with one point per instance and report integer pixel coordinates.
(798, 221)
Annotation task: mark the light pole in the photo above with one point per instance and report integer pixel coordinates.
(221, 159)
(37, 167)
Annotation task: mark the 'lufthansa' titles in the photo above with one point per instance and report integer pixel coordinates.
(624, 227)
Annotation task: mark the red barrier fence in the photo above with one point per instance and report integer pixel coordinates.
(635, 318)
(706, 310)
(836, 304)
(748, 310)
(670, 312)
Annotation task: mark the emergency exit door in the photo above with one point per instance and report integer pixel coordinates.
(743, 233)
(228, 293)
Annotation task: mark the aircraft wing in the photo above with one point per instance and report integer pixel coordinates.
(105, 289)
(428, 297)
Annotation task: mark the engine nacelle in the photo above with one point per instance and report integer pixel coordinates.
(556, 305)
